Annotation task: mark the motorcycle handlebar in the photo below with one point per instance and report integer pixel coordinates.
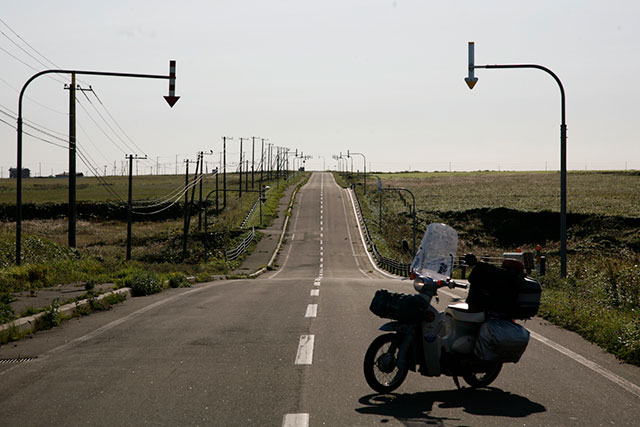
(459, 285)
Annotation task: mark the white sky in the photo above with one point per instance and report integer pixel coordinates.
(379, 77)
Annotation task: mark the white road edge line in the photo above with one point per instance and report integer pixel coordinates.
(296, 420)
(364, 244)
(353, 249)
(293, 234)
(304, 356)
(625, 384)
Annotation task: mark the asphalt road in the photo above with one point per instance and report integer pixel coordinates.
(286, 349)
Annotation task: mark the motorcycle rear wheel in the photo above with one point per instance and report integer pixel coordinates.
(381, 368)
(483, 379)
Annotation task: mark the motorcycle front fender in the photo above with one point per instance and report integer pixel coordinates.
(395, 327)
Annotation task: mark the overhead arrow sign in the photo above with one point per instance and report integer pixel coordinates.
(471, 80)
(172, 98)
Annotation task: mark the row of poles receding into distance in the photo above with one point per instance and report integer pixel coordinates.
(171, 99)
(273, 164)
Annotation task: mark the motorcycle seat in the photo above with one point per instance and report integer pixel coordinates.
(461, 312)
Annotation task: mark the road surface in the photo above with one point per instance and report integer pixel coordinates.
(286, 349)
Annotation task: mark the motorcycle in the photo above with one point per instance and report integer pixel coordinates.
(455, 342)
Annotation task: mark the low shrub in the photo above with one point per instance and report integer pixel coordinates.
(51, 317)
(143, 283)
(178, 280)
(6, 313)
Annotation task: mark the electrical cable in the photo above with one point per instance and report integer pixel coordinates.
(34, 136)
(116, 123)
(160, 201)
(25, 42)
(101, 180)
(29, 65)
(33, 100)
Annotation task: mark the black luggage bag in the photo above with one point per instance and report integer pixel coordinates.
(402, 307)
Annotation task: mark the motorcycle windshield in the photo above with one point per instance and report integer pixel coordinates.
(437, 252)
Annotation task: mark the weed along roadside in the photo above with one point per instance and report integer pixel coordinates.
(498, 212)
(59, 283)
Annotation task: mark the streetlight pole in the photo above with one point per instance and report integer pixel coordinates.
(414, 210)
(224, 170)
(171, 100)
(365, 170)
(472, 80)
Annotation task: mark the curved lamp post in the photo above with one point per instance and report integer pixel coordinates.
(471, 80)
(171, 100)
(365, 168)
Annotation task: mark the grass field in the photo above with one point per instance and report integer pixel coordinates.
(145, 187)
(157, 246)
(601, 193)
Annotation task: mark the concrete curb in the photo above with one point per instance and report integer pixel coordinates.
(364, 243)
(28, 324)
(284, 230)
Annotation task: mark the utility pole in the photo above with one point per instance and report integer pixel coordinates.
(224, 170)
(201, 154)
(186, 209)
(240, 170)
(270, 164)
(131, 157)
(262, 161)
(253, 158)
(72, 212)
(246, 176)
(72, 164)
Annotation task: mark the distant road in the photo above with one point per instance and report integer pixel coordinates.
(286, 349)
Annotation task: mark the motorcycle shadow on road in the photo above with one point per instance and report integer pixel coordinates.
(416, 407)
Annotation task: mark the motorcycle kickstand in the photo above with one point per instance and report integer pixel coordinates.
(457, 383)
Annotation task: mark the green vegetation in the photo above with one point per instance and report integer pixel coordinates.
(143, 283)
(178, 280)
(497, 212)
(157, 245)
(600, 301)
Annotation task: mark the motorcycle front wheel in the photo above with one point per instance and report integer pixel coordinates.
(483, 379)
(381, 368)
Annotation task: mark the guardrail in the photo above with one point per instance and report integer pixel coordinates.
(253, 208)
(242, 247)
(391, 265)
(403, 269)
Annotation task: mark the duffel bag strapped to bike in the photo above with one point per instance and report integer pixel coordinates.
(501, 340)
(403, 307)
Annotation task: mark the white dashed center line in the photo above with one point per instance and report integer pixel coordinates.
(305, 350)
(312, 310)
(296, 420)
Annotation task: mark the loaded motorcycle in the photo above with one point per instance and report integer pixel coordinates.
(458, 342)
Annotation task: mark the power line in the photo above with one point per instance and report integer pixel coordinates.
(22, 49)
(34, 136)
(28, 65)
(116, 123)
(25, 42)
(53, 110)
